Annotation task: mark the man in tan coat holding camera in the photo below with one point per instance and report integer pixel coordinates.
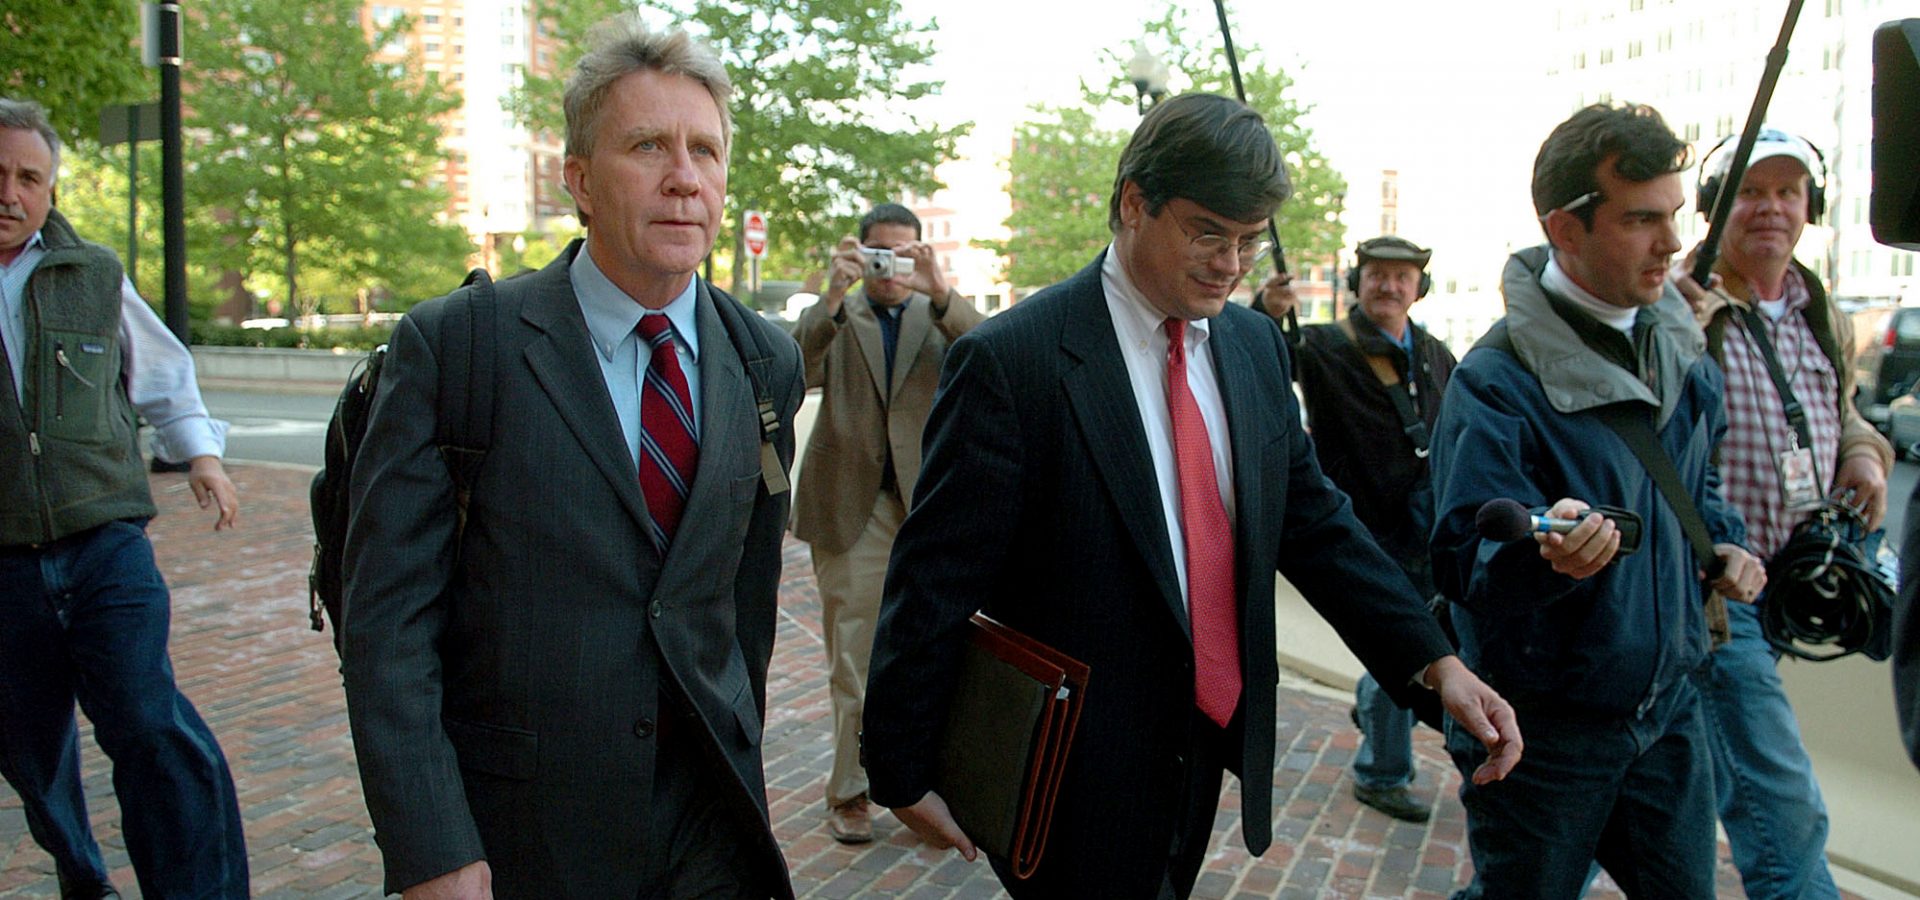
(876, 358)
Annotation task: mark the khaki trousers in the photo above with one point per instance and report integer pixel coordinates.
(850, 586)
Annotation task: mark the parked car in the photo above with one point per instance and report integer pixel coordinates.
(1903, 424)
(1888, 364)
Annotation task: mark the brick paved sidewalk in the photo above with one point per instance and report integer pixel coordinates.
(271, 691)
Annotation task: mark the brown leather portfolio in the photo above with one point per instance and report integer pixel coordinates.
(1008, 732)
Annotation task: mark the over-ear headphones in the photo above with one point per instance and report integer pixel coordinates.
(1394, 248)
(1770, 142)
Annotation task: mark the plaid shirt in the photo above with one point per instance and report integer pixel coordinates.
(1757, 427)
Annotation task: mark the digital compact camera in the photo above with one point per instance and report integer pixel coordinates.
(886, 263)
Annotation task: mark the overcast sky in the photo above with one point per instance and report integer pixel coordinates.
(1449, 94)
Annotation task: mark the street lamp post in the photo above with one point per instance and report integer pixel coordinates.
(172, 179)
(1149, 76)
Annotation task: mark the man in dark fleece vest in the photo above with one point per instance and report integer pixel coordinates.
(83, 609)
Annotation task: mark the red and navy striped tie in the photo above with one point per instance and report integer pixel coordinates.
(669, 447)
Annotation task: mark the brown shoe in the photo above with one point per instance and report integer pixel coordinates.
(850, 822)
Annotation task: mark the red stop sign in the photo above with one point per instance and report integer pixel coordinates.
(754, 231)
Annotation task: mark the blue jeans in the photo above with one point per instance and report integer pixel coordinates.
(1768, 798)
(1385, 759)
(85, 618)
(1634, 794)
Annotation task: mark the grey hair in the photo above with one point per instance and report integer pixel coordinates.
(27, 115)
(622, 45)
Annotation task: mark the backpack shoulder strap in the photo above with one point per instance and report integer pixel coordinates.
(758, 359)
(467, 347)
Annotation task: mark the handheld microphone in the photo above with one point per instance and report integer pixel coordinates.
(1502, 519)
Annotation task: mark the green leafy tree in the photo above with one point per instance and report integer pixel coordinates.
(1062, 166)
(1061, 175)
(315, 165)
(534, 249)
(93, 196)
(823, 124)
(73, 57)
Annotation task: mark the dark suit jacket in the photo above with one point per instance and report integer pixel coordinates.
(1037, 502)
(864, 419)
(505, 689)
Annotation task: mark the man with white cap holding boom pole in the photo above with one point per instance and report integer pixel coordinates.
(1768, 799)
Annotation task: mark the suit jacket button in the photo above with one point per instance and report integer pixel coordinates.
(643, 728)
(656, 609)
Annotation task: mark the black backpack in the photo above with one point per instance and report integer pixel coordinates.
(465, 426)
(465, 412)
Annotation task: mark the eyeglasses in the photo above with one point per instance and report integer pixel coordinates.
(1209, 247)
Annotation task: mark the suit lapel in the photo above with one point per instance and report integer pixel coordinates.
(1233, 370)
(916, 322)
(563, 363)
(866, 333)
(1102, 396)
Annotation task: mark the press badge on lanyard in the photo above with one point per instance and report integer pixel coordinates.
(1798, 485)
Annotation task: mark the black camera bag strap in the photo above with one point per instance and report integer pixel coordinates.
(1630, 421)
(1401, 392)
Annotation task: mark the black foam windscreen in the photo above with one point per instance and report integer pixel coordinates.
(1501, 519)
(1896, 134)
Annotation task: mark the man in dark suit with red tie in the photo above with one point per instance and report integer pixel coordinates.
(1116, 468)
(557, 686)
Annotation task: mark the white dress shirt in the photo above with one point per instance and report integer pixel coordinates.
(1143, 344)
(156, 367)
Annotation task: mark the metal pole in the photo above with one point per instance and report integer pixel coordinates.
(1292, 327)
(133, 193)
(1730, 188)
(172, 175)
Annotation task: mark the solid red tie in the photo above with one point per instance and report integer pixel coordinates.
(1211, 604)
(669, 450)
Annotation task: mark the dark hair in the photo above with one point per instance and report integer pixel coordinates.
(1209, 149)
(1634, 136)
(889, 214)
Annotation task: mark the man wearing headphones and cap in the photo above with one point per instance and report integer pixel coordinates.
(1769, 801)
(1372, 383)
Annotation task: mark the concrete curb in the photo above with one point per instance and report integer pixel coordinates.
(244, 365)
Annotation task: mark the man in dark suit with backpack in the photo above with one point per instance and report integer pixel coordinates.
(556, 662)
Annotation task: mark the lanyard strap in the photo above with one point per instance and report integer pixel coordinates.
(1796, 414)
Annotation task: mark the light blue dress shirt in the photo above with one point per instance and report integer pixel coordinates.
(157, 368)
(612, 317)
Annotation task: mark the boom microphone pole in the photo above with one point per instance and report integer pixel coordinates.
(1292, 328)
(1723, 202)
